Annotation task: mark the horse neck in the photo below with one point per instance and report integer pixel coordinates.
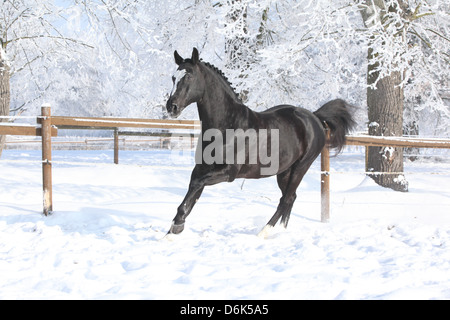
(219, 106)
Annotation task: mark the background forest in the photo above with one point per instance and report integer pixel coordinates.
(115, 58)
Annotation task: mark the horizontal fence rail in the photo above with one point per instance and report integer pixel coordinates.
(23, 130)
(48, 127)
(400, 142)
(84, 122)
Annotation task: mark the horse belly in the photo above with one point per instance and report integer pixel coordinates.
(282, 154)
(250, 171)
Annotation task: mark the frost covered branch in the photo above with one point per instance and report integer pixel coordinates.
(120, 56)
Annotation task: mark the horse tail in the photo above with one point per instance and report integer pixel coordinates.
(336, 116)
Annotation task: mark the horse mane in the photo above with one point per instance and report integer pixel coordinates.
(223, 77)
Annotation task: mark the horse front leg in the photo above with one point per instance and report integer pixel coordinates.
(193, 194)
(201, 176)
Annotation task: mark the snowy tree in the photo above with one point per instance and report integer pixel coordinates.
(385, 93)
(79, 56)
(396, 37)
(115, 57)
(385, 52)
(29, 37)
(310, 55)
(131, 65)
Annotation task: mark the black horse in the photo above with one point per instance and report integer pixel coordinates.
(293, 137)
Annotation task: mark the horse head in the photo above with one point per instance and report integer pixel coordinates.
(188, 84)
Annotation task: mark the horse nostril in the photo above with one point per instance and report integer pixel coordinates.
(172, 108)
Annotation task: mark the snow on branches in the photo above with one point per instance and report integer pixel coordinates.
(115, 57)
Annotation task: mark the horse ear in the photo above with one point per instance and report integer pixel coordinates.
(178, 59)
(195, 56)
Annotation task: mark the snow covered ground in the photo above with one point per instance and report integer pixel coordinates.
(103, 240)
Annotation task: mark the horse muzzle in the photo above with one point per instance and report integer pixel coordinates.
(172, 108)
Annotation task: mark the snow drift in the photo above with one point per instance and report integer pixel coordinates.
(103, 240)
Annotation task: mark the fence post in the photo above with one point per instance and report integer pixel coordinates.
(47, 158)
(116, 145)
(325, 180)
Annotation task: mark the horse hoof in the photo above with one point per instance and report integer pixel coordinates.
(173, 232)
(176, 228)
(265, 232)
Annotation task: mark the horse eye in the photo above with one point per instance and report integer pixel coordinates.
(173, 79)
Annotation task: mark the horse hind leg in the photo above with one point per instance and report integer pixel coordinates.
(290, 192)
(287, 212)
(288, 181)
(283, 181)
(283, 212)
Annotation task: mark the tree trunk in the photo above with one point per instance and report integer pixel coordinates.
(385, 108)
(385, 99)
(4, 93)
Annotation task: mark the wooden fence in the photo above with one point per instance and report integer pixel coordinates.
(370, 141)
(49, 126)
(116, 123)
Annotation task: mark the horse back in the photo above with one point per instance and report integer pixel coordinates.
(296, 121)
